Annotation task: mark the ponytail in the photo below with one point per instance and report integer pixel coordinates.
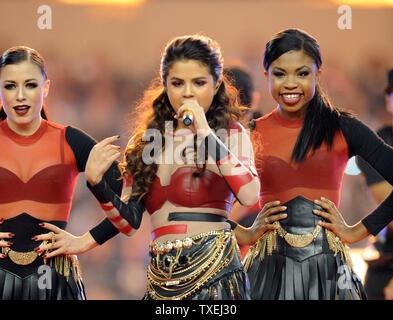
(321, 122)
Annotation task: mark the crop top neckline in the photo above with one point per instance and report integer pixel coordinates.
(187, 191)
(296, 123)
(24, 140)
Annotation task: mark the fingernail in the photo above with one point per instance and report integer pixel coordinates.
(277, 202)
(316, 201)
(2, 256)
(34, 238)
(37, 249)
(9, 243)
(11, 235)
(41, 224)
(322, 198)
(44, 256)
(284, 207)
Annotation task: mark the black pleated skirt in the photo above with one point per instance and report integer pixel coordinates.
(321, 277)
(46, 285)
(227, 280)
(313, 272)
(37, 280)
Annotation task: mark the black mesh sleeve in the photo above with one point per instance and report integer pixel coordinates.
(366, 143)
(81, 145)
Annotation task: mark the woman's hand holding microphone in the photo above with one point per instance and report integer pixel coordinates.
(193, 116)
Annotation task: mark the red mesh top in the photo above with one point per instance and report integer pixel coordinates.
(320, 174)
(37, 173)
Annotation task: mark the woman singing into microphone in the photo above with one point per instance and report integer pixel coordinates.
(193, 253)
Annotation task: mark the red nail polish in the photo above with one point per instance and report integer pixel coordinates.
(11, 235)
(9, 243)
(34, 238)
(37, 249)
(44, 256)
(41, 224)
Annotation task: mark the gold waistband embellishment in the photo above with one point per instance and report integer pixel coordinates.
(298, 240)
(22, 258)
(268, 243)
(162, 247)
(336, 245)
(62, 263)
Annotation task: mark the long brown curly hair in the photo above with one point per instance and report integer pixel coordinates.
(155, 109)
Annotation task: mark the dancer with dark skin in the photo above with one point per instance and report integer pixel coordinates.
(305, 144)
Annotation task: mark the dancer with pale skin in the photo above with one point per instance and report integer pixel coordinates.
(37, 180)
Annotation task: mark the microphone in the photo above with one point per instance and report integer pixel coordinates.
(188, 118)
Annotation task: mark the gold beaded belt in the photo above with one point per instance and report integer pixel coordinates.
(162, 247)
(268, 242)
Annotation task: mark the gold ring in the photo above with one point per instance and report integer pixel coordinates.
(52, 239)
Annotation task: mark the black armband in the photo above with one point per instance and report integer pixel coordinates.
(103, 231)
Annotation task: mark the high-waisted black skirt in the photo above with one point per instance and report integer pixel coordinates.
(207, 267)
(57, 278)
(315, 266)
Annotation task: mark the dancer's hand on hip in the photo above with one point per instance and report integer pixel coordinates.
(61, 242)
(336, 223)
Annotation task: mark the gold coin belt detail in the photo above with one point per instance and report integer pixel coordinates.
(161, 247)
